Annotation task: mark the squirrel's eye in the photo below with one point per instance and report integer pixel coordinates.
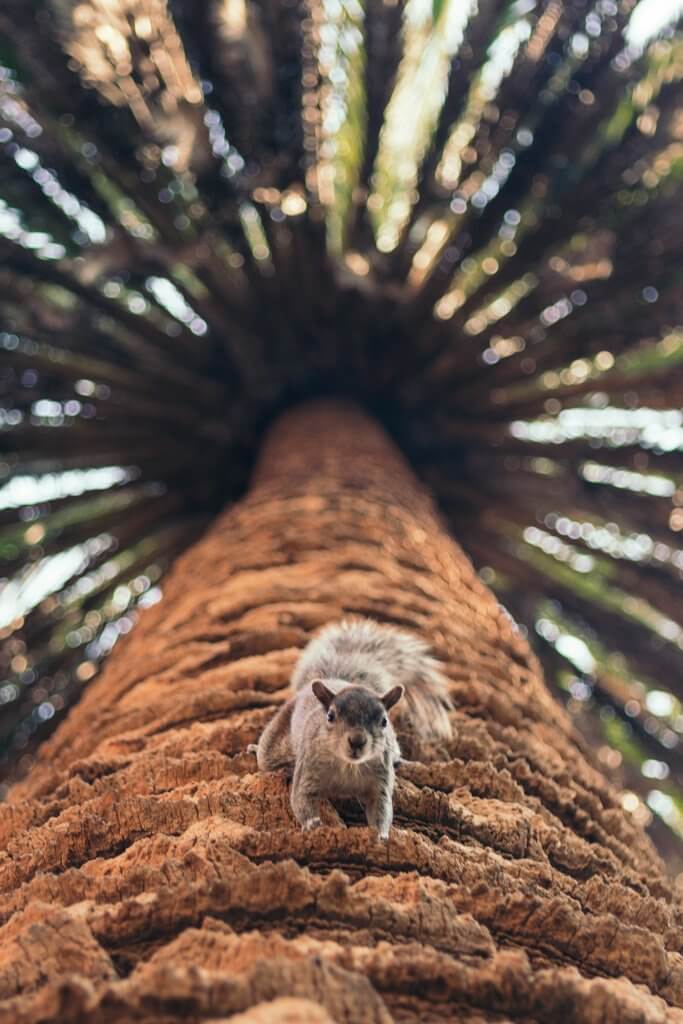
(331, 715)
(384, 722)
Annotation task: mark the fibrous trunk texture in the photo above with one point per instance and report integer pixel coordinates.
(151, 874)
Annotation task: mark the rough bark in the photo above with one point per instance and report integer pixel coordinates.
(149, 873)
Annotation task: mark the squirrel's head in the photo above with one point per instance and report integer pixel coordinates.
(356, 719)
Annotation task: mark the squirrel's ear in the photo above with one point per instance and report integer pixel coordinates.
(324, 695)
(392, 697)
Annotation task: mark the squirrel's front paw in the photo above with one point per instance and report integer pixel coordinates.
(252, 748)
(311, 823)
(382, 837)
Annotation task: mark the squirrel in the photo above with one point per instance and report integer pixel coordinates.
(335, 732)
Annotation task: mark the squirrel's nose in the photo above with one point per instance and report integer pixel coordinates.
(356, 742)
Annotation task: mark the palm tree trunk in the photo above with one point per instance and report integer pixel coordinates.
(151, 874)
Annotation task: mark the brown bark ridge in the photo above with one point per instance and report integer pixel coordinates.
(150, 873)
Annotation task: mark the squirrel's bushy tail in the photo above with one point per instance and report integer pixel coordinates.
(426, 703)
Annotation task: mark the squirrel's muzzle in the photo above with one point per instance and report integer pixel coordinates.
(356, 743)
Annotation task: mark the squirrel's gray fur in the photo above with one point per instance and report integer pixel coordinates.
(335, 734)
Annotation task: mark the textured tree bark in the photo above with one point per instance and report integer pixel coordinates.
(149, 873)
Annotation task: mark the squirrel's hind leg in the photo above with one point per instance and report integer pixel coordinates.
(274, 749)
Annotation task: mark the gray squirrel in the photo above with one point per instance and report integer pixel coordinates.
(335, 733)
